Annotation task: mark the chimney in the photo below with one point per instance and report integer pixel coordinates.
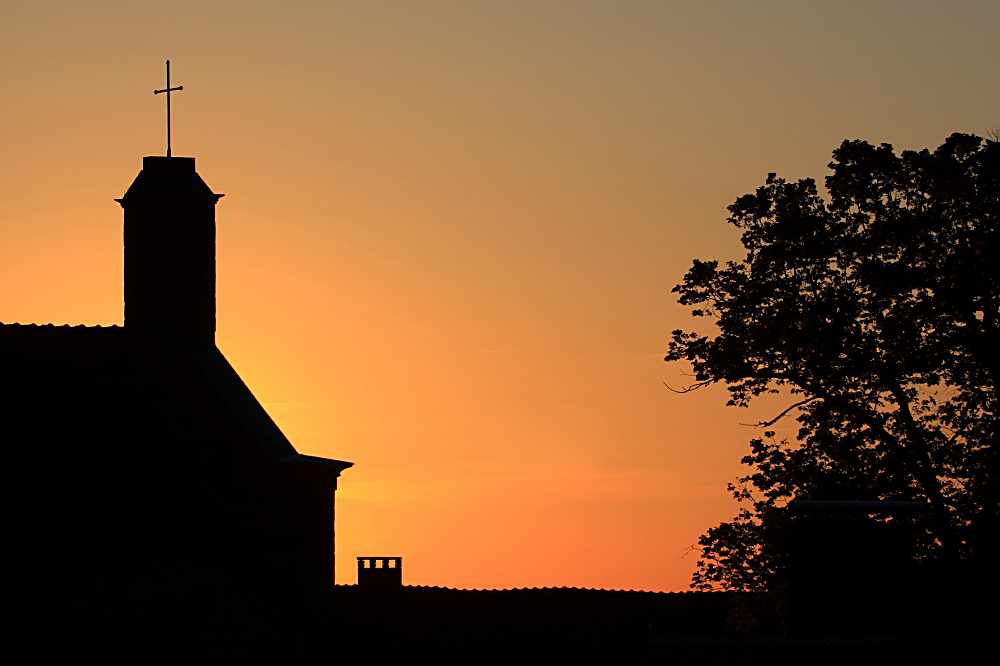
(380, 573)
(170, 250)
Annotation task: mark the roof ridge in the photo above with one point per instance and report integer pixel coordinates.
(542, 589)
(33, 325)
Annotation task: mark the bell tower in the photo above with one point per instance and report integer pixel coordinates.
(170, 250)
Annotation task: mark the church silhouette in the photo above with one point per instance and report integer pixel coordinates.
(142, 474)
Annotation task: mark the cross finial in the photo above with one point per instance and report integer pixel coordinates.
(168, 90)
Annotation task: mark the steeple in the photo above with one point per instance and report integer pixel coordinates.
(170, 250)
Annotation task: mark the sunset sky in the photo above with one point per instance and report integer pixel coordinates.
(451, 229)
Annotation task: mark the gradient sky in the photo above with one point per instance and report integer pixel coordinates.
(451, 229)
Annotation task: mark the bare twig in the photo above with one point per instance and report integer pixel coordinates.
(693, 387)
(764, 424)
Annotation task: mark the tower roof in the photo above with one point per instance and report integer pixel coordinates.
(167, 177)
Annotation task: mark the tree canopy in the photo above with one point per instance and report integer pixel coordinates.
(877, 310)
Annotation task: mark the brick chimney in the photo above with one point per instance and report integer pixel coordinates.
(170, 250)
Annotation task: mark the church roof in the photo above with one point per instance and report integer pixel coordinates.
(110, 433)
(99, 367)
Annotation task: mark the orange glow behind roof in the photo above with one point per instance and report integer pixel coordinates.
(450, 232)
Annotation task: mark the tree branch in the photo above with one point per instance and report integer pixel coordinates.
(926, 478)
(764, 424)
(920, 458)
(693, 387)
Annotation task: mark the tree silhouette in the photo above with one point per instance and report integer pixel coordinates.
(877, 311)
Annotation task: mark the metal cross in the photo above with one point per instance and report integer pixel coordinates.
(168, 90)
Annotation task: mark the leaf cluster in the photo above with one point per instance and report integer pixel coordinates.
(876, 309)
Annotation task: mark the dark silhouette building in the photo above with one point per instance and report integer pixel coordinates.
(847, 573)
(143, 479)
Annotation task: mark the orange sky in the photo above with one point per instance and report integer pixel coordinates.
(450, 232)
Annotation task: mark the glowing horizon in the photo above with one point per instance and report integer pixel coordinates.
(450, 233)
